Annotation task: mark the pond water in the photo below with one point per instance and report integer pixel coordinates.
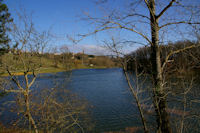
(108, 93)
(111, 105)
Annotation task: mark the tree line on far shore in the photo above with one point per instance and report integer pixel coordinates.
(187, 60)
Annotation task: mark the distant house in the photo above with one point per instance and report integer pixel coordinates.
(57, 53)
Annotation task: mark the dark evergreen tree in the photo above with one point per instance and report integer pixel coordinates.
(5, 19)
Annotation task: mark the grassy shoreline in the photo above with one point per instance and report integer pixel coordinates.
(52, 70)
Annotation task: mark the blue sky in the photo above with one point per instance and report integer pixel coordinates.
(64, 17)
(62, 14)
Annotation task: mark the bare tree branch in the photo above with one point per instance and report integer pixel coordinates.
(136, 14)
(181, 22)
(175, 52)
(165, 9)
(14, 80)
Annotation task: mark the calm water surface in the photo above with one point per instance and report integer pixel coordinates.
(108, 93)
(111, 104)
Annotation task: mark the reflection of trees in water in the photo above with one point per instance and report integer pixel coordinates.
(184, 103)
(183, 98)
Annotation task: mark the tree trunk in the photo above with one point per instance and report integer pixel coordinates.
(139, 106)
(28, 114)
(160, 104)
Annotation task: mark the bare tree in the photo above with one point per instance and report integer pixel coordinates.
(133, 79)
(22, 38)
(66, 56)
(47, 109)
(60, 110)
(162, 17)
